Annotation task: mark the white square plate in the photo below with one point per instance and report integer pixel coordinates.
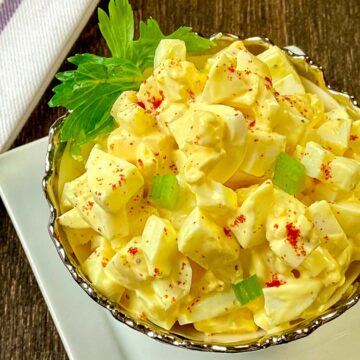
(87, 330)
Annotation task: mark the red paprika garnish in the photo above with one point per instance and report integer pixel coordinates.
(292, 236)
(238, 220)
(104, 262)
(268, 83)
(325, 169)
(231, 68)
(157, 102)
(296, 273)
(133, 250)
(251, 124)
(227, 232)
(191, 94)
(275, 281)
(141, 104)
(268, 80)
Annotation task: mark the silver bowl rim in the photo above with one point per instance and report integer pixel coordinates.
(156, 332)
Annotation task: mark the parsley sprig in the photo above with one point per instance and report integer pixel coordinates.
(90, 90)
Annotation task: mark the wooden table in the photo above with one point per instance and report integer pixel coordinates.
(328, 30)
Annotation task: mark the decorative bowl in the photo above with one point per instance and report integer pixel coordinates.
(176, 337)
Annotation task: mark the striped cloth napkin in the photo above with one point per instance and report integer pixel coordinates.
(35, 37)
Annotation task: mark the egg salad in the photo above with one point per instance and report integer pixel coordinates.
(227, 198)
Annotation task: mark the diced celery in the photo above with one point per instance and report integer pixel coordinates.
(247, 290)
(289, 174)
(165, 191)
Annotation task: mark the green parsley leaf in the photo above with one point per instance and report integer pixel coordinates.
(89, 93)
(150, 35)
(117, 28)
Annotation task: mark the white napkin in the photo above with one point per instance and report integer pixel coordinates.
(35, 37)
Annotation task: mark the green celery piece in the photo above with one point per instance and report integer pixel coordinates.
(165, 191)
(156, 185)
(247, 289)
(289, 174)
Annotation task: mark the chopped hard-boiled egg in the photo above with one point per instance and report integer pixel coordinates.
(285, 78)
(208, 306)
(354, 141)
(321, 265)
(315, 158)
(344, 173)
(347, 213)
(130, 115)
(214, 198)
(128, 266)
(170, 49)
(249, 222)
(338, 172)
(333, 237)
(173, 288)
(145, 305)
(227, 196)
(287, 302)
(94, 267)
(292, 123)
(239, 321)
(290, 233)
(159, 245)
(73, 219)
(106, 223)
(205, 242)
(119, 180)
(334, 135)
(262, 149)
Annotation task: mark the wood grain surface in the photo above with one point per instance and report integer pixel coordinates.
(328, 30)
